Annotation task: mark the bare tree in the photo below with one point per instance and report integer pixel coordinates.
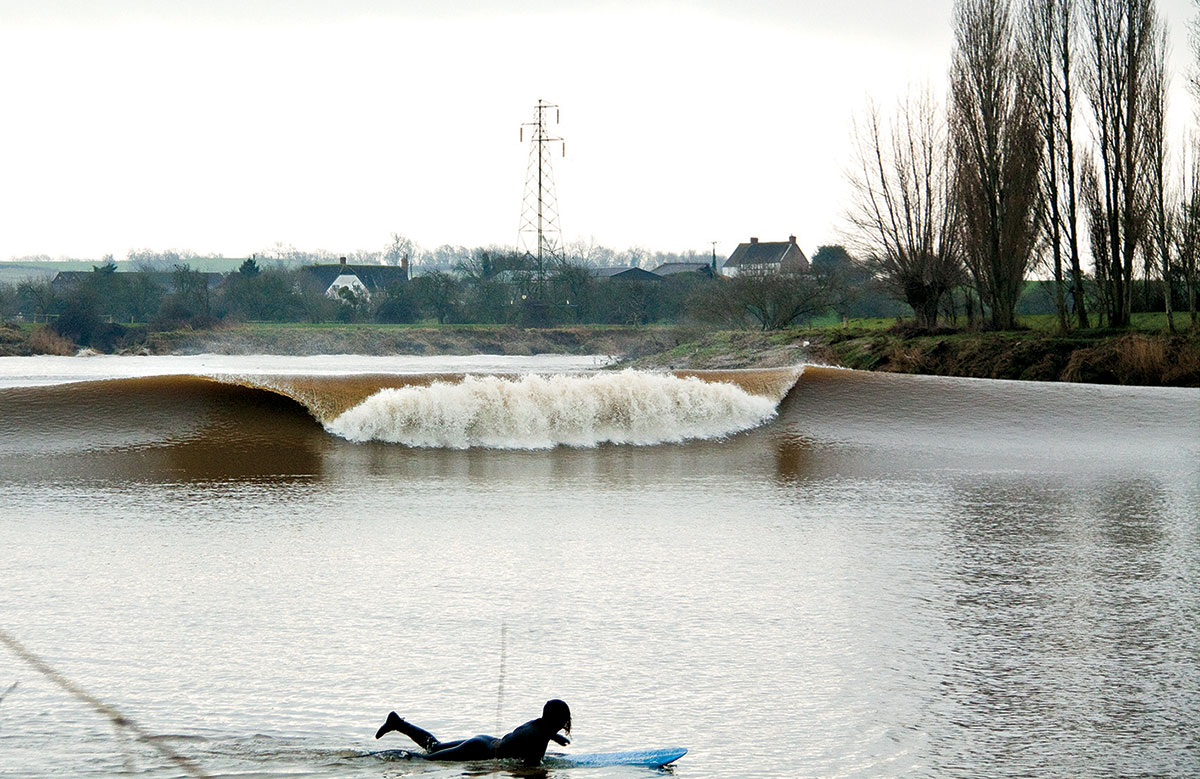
(1162, 218)
(995, 135)
(1038, 38)
(38, 296)
(1123, 38)
(772, 301)
(1048, 36)
(588, 253)
(400, 249)
(288, 255)
(902, 217)
(1187, 249)
(365, 257)
(1187, 232)
(573, 287)
(634, 257)
(1091, 189)
(439, 294)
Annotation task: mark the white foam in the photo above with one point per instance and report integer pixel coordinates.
(540, 412)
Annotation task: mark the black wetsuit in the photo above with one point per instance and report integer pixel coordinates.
(527, 743)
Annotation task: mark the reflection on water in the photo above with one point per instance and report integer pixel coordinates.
(898, 576)
(156, 430)
(1130, 513)
(1067, 640)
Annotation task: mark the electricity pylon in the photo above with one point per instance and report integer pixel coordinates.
(540, 235)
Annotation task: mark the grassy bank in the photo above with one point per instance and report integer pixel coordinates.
(408, 339)
(310, 339)
(1103, 357)
(1138, 356)
(1106, 358)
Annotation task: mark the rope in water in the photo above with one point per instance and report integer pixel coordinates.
(500, 687)
(119, 720)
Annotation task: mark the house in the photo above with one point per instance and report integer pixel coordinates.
(624, 273)
(766, 257)
(360, 279)
(684, 268)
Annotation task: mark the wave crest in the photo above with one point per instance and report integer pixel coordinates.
(541, 412)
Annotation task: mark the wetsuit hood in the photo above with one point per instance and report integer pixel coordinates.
(557, 714)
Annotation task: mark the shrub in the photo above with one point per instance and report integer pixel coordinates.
(45, 341)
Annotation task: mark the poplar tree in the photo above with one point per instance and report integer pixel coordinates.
(1161, 217)
(1123, 47)
(1049, 31)
(994, 126)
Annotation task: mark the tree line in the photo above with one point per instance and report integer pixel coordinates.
(491, 286)
(448, 257)
(1053, 143)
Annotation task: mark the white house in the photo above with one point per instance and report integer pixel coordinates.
(766, 257)
(362, 280)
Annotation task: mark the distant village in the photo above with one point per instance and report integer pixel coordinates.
(357, 278)
(760, 284)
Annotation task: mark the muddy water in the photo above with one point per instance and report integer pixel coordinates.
(890, 576)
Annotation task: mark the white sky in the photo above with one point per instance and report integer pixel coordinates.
(230, 125)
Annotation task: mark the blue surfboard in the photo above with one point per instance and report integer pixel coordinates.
(643, 758)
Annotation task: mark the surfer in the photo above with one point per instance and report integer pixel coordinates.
(527, 743)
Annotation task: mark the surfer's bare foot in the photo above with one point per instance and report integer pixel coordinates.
(391, 723)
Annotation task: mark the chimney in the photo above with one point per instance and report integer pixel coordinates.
(792, 240)
(343, 261)
(404, 265)
(753, 240)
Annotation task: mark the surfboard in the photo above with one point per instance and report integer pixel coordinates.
(643, 758)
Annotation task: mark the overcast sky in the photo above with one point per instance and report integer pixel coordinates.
(230, 125)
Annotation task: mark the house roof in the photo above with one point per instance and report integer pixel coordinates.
(764, 253)
(66, 278)
(673, 268)
(624, 272)
(372, 276)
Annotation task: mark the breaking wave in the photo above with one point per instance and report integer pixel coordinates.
(541, 412)
(238, 425)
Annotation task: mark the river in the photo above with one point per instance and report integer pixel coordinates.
(798, 573)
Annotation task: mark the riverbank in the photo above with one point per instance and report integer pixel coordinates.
(1104, 357)
(1100, 357)
(306, 339)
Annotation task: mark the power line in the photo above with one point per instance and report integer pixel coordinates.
(540, 234)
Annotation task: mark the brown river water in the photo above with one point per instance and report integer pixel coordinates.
(796, 573)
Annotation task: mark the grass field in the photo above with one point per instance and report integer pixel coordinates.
(1154, 322)
(15, 273)
(10, 270)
